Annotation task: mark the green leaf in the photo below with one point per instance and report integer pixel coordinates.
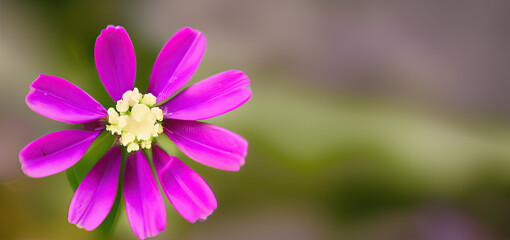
(71, 178)
(148, 155)
(97, 149)
(164, 142)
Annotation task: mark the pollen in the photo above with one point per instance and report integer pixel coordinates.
(135, 120)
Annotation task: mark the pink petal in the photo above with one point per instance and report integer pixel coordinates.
(115, 61)
(176, 62)
(60, 100)
(186, 190)
(94, 198)
(208, 144)
(145, 208)
(209, 98)
(55, 152)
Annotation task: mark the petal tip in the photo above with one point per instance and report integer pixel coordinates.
(22, 161)
(76, 221)
(112, 28)
(190, 29)
(203, 217)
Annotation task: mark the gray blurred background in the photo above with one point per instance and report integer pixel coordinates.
(368, 120)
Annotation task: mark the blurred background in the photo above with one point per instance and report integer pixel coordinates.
(368, 120)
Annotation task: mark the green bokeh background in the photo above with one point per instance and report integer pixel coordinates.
(368, 120)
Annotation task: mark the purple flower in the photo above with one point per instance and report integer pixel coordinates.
(136, 120)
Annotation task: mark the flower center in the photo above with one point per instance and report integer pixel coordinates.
(136, 120)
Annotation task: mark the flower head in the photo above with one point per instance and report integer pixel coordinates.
(136, 120)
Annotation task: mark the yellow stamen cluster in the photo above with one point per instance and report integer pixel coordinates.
(136, 120)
